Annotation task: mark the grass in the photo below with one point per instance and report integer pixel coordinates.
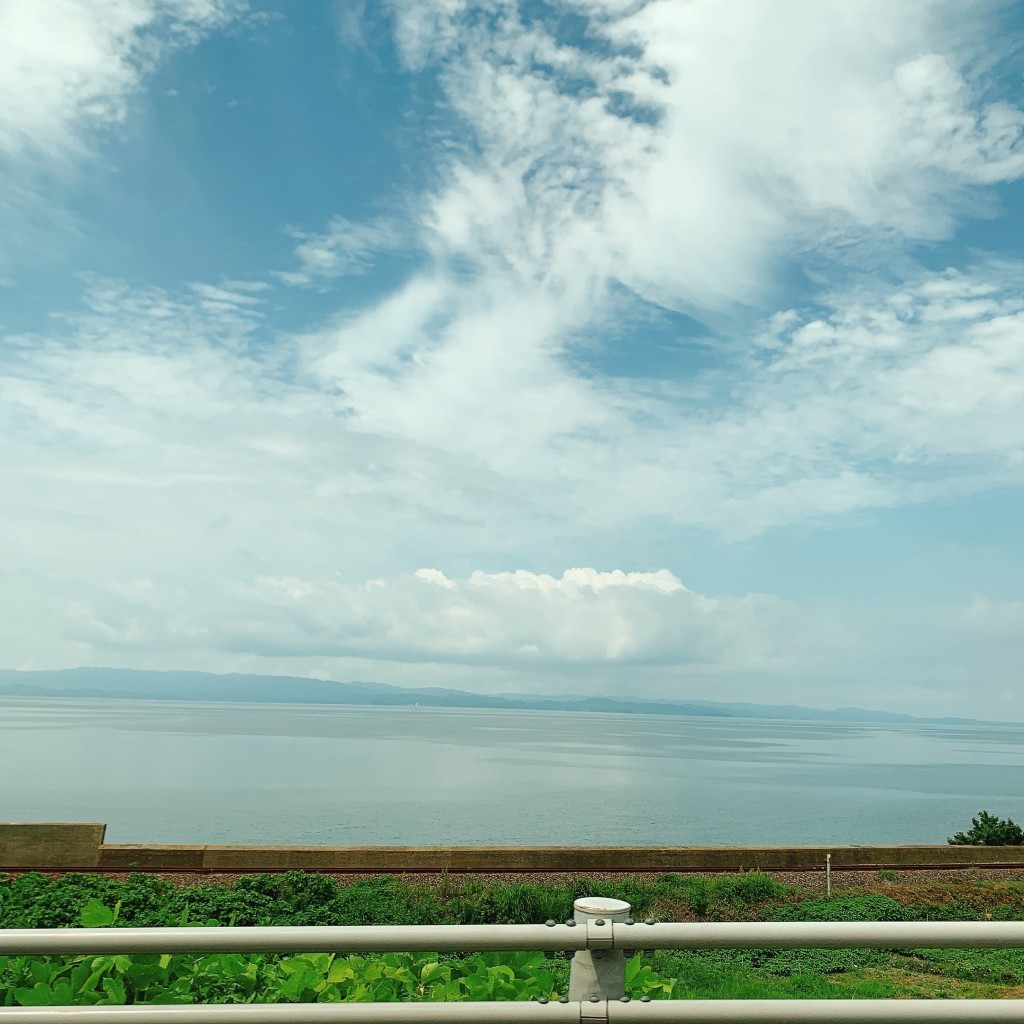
(298, 898)
(841, 974)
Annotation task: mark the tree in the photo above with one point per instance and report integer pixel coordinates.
(988, 830)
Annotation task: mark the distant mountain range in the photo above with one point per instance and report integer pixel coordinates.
(133, 684)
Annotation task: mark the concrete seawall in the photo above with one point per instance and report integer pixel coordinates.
(53, 843)
(57, 845)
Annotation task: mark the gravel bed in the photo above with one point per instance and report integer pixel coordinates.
(811, 881)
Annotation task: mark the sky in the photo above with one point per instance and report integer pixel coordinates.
(669, 348)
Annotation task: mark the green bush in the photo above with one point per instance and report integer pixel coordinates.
(872, 907)
(988, 830)
(304, 978)
(746, 890)
(298, 898)
(704, 897)
(698, 896)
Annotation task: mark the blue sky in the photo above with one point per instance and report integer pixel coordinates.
(599, 346)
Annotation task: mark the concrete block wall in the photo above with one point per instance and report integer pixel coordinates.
(540, 858)
(53, 843)
(49, 845)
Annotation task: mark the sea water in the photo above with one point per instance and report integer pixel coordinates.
(166, 772)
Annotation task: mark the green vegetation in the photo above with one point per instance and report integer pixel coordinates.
(296, 898)
(305, 978)
(988, 830)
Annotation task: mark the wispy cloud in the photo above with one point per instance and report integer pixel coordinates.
(68, 72)
(200, 504)
(689, 151)
(344, 248)
(693, 155)
(69, 67)
(214, 490)
(583, 632)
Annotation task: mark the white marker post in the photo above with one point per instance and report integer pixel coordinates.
(600, 971)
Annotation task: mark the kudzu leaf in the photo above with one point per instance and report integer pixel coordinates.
(95, 914)
(320, 962)
(39, 994)
(63, 992)
(434, 971)
(143, 976)
(115, 991)
(293, 987)
(39, 972)
(340, 971)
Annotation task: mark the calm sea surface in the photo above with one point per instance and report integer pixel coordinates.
(245, 773)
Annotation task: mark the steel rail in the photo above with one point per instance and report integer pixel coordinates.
(435, 938)
(811, 1011)
(822, 935)
(302, 1013)
(249, 869)
(675, 1011)
(550, 937)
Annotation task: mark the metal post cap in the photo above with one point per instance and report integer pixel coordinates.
(601, 906)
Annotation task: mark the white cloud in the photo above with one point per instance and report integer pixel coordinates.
(514, 619)
(587, 631)
(564, 193)
(198, 507)
(68, 72)
(68, 67)
(169, 440)
(212, 492)
(881, 396)
(692, 156)
(344, 248)
(709, 143)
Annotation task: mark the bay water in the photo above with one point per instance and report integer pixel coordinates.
(169, 772)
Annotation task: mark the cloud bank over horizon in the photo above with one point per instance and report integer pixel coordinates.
(356, 373)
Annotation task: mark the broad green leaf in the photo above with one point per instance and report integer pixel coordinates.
(63, 992)
(143, 976)
(39, 994)
(115, 991)
(320, 962)
(434, 971)
(340, 971)
(39, 972)
(293, 987)
(96, 915)
(454, 989)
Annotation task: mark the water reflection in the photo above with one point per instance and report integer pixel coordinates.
(165, 772)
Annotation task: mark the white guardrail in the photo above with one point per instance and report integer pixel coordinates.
(601, 935)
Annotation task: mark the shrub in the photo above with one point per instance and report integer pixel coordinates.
(871, 907)
(988, 830)
(746, 890)
(698, 896)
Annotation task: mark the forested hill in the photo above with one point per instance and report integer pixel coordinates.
(132, 684)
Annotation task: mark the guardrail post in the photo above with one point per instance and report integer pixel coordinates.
(598, 972)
